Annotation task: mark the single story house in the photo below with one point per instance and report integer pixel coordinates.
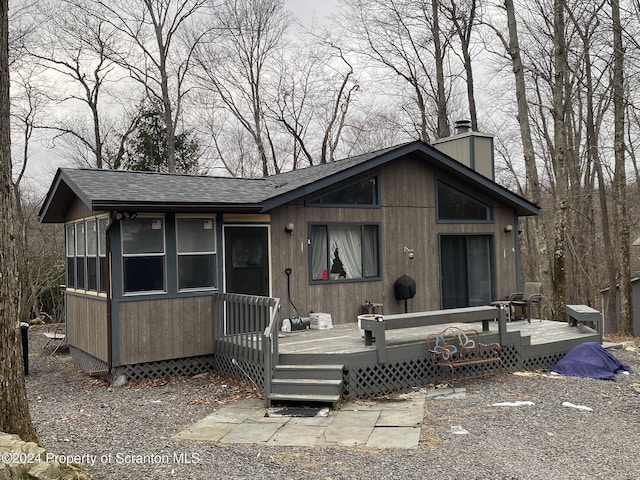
(146, 252)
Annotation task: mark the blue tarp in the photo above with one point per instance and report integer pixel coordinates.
(590, 360)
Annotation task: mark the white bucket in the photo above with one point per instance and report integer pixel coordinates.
(366, 316)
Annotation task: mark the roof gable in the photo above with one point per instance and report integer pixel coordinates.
(106, 190)
(298, 183)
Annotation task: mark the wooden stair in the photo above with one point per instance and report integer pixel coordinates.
(306, 383)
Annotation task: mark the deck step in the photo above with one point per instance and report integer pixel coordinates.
(305, 386)
(307, 383)
(278, 397)
(313, 382)
(327, 372)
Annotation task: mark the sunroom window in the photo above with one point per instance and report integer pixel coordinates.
(196, 253)
(92, 255)
(102, 254)
(143, 254)
(80, 257)
(71, 255)
(86, 256)
(457, 206)
(344, 252)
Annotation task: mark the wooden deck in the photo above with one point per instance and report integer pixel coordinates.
(346, 339)
(538, 345)
(333, 364)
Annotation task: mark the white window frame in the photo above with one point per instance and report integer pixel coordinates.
(70, 252)
(102, 254)
(213, 253)
(91, 252)
(162, 255)
(81, 242)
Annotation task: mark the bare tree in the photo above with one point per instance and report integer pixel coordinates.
(560, 159)
(560, 111)
(234, 148)
(405, 38)
(439, 55)
(235, 62)
(293, 99)
(373, 126)
(158, 55)
(598, 99)
(620, 179)
(14, 408)
(28, 105)
(74, 47)
(463, 15)
(29, 101)
(335, 123)
(315, 88)
(532, 190)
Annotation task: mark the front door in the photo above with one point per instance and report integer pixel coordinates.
(466, 270)
(246, 260)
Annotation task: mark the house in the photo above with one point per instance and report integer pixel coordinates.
(147, 253)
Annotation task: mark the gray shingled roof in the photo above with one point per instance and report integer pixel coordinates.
(105, 190)
(118, 186)
(294, 179)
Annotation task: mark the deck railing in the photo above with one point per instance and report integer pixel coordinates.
(246, 330)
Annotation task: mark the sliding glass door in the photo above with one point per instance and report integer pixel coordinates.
(466, 270)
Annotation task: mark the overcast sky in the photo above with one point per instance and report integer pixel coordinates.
(304, 10)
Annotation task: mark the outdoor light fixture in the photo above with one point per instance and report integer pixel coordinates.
(289, 228)
(409, 252)
(508, 228)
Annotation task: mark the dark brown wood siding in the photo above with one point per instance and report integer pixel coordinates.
(78, 210)
(154, 330)
(87, 324)
(408, 219)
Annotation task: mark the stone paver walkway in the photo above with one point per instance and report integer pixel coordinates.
(391, 423)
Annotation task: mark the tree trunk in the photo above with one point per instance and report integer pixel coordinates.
(166, 102)
(532, 191)
(441, 99)
(424, 132)
(97, 135)
(464, 21)
(471, 98)
(610, 314)
(14, 408)
(338, 112)
(559, 280)
(593, 152)
(620, 180)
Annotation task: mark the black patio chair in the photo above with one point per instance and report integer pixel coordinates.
(531, 296)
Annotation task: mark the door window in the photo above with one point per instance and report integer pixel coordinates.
(246, 260)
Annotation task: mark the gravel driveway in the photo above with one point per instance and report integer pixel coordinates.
(127, 430)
